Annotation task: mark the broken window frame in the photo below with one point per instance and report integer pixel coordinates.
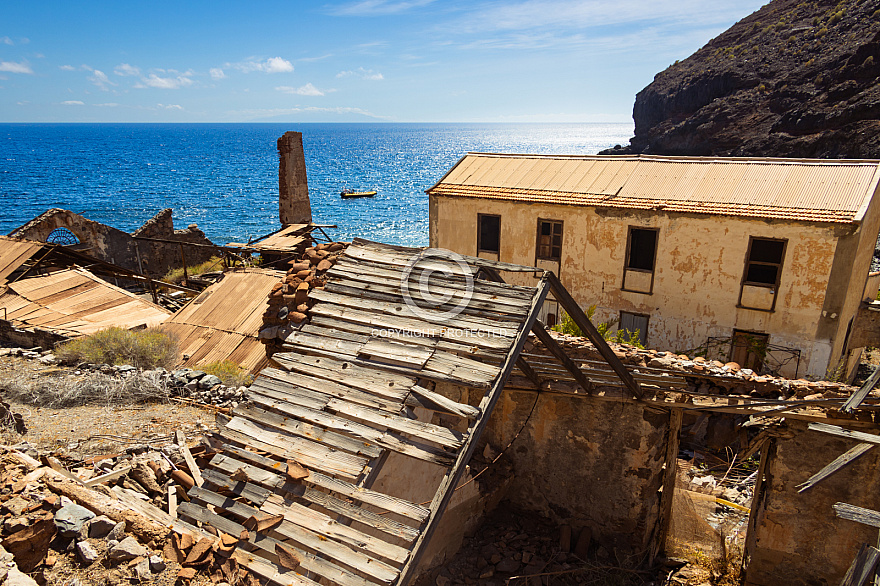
(760, 338)
(480, 243)
(749, 262)
(550, 251)
(628, 258)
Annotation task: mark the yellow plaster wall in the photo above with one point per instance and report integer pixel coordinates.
(698, 271)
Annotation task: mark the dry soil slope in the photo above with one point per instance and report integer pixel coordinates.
(794, 79)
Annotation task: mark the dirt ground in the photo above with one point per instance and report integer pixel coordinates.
(90, 430)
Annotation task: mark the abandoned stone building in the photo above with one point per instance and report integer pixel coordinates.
(760, 261)
(152, 249)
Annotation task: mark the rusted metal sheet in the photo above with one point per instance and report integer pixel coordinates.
(808, 190)
(13, 253)
(74, 302)
(223, 322)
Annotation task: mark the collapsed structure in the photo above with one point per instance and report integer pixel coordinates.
(386, 375)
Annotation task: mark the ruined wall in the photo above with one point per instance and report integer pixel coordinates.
(698, 270)
(585, 463)
(797, 537)
(293, 185)
(117, 247)
(104, 242)
(158, 258)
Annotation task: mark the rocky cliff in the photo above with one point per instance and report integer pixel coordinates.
(794, 79)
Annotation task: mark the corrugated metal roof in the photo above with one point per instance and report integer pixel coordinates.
(792, 189)
(13, 253)
(223, 322)
(75, 302)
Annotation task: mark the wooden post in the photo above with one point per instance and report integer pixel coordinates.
(670, 476)
(183, 260)
(583, 322)
(757, 503)
(559, 352)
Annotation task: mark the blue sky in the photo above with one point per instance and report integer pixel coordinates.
(358, 61)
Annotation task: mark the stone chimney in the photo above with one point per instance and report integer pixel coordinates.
(293, 186)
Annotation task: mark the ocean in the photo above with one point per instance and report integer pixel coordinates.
(224, 177)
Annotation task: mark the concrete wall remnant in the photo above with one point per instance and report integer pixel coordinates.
(797, 538)
(293, 185)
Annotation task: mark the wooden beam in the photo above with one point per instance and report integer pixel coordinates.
(559, 352)
(670, 475)
(863, 567)
(834, 466)
(847, 433)
(529, 372)
(857, 514)
(858, 396)
(450, 481)
(571, 307)
(180, 439)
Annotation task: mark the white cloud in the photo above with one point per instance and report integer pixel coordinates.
(361, 73)
(100, 79)
(217, 73)
(304, 90)
(379, 7)
(6, 41)
(170, 106)
(271, 65)
(12, 67)
(166, 83)
(107, 105)
(270, 112)
(67, 68)
(73, 103)
(125, 70)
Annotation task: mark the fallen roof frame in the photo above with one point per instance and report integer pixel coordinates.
(337, 402)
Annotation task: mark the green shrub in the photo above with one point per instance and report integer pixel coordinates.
(567, 326)
(176, 275)
(229, 373)
(144, 348)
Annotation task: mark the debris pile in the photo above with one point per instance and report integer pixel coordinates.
(289, 301)
(107, 515)
(710, 377)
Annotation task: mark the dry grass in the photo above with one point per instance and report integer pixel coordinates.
(230, 373)
(144, 349)
(66, 391)
(176, 275)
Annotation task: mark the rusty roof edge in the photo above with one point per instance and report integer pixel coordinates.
(869, 197)
(819, 216)
(681, 158)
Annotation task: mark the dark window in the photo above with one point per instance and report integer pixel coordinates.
(488, 233)
(765, 262)
(635, 324)
(549, 240)
(642, 249)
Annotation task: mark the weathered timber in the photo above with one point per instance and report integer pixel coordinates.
(312, 455)
(363, 378)
(857, 514)
(328, 389)
(863, 566)
(670, 475)
(557, 351)
(854, 400)
(450, 480)
(583, 322)
(839, 431)
(180, 440)
(834, 466)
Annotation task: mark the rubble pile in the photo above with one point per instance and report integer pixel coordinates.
(289, 301)
(518, 547)
(58, 520)
(709, 377)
